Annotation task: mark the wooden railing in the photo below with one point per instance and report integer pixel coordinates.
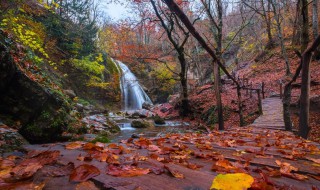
(249, 88)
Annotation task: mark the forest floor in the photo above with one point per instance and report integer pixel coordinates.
(256, 156)
(270, 70)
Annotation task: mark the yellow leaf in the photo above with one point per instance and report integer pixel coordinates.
(237, 181)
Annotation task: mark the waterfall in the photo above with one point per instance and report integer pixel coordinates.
(133, 95)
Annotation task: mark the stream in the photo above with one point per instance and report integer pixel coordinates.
(127, 131)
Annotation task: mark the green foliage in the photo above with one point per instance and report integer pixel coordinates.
(101, 138)
(28, 32)
(90, 65)
(83, 102)
(164, 77)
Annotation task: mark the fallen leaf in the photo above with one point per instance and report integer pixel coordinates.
(5, 164)
(42, 157)
(22, 171)
(83, 173)
(60, 171)
(237, 181)
(74, 145)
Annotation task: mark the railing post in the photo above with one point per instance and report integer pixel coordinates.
(262, 89)
(240, 106)
(259, 102)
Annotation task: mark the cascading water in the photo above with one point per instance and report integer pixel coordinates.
(133, 95)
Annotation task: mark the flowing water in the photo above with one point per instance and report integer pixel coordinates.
(133, 95)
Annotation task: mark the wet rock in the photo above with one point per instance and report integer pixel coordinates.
(92, 110)
(147, 106)
(70, 93)
(158, 120)
(164, 109)
(138, 123)
(135, 136)
(79, 107)
(142, 113)
(10, 139)
(99, 122)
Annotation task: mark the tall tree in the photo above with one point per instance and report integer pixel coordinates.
(178, 36)
(304, 127)
(264, 12)
(216, 25)
(315, 26)
(305, 81)
(277, 14)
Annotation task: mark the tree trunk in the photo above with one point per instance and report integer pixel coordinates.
(267, 19)
(240, 106)
(305, 89)
(218, 95)
(305, 25)
(183, 17)
(296, 27)
(184, 85)
(315, 26)
(304, 98)
(286, 107)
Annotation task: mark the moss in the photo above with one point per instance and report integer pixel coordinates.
(82, 130)
(211, 115)
(83, 102)
(111, 66)
(101, 138)
(158, 120)
(33, 130)
(47, 127)
(45, 115)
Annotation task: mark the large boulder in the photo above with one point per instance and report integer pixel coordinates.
(139, 123)
(98, 123)
(39, 113)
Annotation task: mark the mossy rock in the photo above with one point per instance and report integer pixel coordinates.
(101, 138)
(159, 120)
(140, 124)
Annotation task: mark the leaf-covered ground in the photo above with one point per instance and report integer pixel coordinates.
(275, 160)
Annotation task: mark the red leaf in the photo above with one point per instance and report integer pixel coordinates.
(83, 173)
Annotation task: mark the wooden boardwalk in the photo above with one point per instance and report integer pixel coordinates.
(272, 117)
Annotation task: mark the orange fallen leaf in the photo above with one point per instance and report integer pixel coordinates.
(21, 172)
(83, 173)
(5, 164)
(74, 145)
